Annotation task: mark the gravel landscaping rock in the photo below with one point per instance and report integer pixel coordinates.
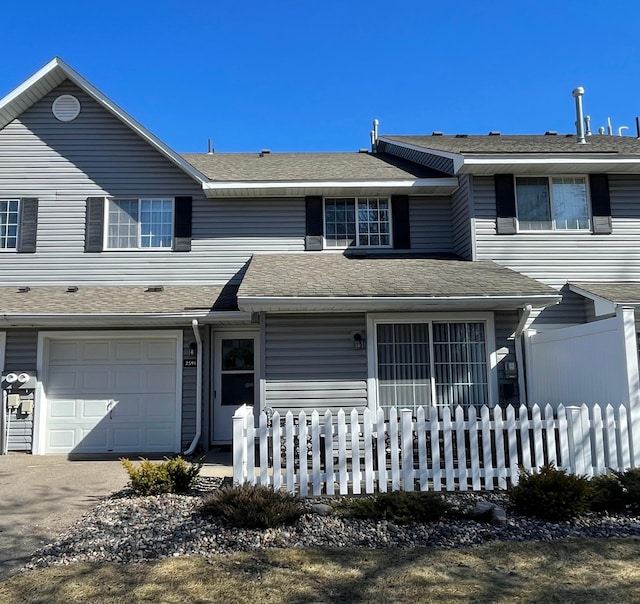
(125, 528)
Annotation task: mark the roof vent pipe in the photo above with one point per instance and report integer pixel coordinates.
(587, 125)
(374, 136)
(609, 127)
(638, 127)
(577, 94)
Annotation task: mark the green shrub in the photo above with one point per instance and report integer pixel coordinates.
(607, 494)
(630, 482)
(253, 506)
(550, 494)
(616, 492)
(398, 506)
(171, 476)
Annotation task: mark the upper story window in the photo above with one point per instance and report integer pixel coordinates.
(554, 203)
(9, 213)
(357, 221)
(140, 223)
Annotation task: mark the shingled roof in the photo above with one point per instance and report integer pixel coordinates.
(299, 277)
(113, 300)
(618, 292)
(525, 144)
(286, 167)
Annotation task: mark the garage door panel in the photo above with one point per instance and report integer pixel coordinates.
(63, 351)
(160, 350)
(111, 395)
(95, 351)
(127, 351)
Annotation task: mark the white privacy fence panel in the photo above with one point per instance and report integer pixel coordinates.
(437, 449)
(586, 363)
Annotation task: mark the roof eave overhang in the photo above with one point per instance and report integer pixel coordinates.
(121, 320)
(53, 74)
(602, 306)
(392, 303)
(301, 188)
(548, 164)
(456, 158)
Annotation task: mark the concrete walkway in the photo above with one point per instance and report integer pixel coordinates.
(42, 495)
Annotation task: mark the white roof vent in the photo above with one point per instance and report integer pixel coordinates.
(66, 108)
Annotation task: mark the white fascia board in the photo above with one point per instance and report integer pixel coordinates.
(332, 184)
(457, 158)
(123, 116)
(373, 303)
(575, 159)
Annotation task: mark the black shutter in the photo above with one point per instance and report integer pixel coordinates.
(182, 225)
(28, 225)
(400, 221)
(94, 225)
(505, 204)
(600, 204)
(314, 223)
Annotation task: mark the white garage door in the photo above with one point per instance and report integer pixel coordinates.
(111, 395)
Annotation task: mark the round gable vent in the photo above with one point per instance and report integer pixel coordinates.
(66, 108)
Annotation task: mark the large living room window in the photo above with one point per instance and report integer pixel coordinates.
(432, 363)
(357, 221)
(9, 214)
(556, 203)
(140, 223)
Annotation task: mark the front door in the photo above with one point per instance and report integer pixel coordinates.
(235, 380)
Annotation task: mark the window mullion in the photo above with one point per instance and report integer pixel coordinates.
(139, 229)
(432, 365)
(551, 203)
(357, 217)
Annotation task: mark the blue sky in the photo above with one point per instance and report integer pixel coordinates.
(310, 75)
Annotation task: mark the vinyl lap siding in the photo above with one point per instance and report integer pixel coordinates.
(461, 218)
(556, 258)
(20, 355)
(311, 364)
(430, 219)
(96, 155)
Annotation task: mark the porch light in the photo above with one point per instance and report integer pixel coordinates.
(359, 340)
(193, 350)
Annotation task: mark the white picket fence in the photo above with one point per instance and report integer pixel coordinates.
(436, 450)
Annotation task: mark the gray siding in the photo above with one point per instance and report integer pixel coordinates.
(431, 230)
(556, 258)
(461, 218)
(62, 164)
(189, 376)
(311, 364)
(20, 355)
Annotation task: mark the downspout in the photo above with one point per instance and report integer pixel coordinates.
(196, 438)
(522, 389)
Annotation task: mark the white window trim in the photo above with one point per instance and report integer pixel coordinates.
(42, 362)
(549, 181)
(356, 198)
(5, 250)
(105, 236)
(374, 319)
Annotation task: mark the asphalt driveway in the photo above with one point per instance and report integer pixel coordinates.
(40, 496)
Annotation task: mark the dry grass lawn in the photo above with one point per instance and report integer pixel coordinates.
(566, 571)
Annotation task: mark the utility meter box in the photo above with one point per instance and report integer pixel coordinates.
(15, 381)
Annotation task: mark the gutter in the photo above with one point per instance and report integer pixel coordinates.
(522, 386)
(372, 303)
(196, 438)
